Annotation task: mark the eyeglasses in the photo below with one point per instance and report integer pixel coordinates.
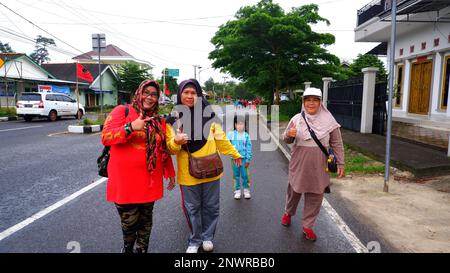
(146, 94)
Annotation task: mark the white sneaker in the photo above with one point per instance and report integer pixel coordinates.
(207, 246)
(192, 249)
(247, 194)
(237, 194)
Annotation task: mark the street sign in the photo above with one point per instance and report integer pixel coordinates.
(98, 40)
(173, 72)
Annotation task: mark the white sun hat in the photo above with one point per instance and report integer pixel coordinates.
(311, 91)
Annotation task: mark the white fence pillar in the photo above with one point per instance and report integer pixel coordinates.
(370, 74)
(326, 85)
(307, 84)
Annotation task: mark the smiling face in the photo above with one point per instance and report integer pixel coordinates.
(189, 96)
(150, 97)
(311, 104)
(240, 126)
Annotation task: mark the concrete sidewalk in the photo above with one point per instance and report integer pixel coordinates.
(418, 159)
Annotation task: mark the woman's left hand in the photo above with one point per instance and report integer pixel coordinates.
(340, 172)
(171, 183)
(238, 161)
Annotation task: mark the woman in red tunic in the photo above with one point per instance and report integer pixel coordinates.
(139, 160)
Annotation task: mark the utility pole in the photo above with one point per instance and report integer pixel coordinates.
(391, 89)
(224, 82)
(99, 44)
(195, 70)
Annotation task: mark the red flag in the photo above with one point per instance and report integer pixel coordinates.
(166, 90)
(83, 73)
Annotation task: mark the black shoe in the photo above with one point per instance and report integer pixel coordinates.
(127, 248)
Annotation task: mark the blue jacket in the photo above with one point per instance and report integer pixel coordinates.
(242, 143)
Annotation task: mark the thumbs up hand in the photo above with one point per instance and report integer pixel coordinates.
(292, 132)
(180, 138)
(139, 123)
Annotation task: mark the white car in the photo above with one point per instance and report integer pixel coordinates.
(49, 105)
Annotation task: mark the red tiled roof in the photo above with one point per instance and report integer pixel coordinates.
(111, 50)
(11, 55)
(67, 71)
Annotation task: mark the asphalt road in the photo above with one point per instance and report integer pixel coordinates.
(37, 170)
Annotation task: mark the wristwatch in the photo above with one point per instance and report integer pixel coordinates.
(128, 128)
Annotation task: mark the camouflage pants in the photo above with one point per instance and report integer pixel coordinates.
(136, 220)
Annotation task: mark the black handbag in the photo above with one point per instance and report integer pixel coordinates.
(103, 159)
(331, 157)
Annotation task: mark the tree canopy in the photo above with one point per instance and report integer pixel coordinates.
(271, 50)
(131, 75)
(40, 53)
(5, 48)
(172, 83)
(366, 60)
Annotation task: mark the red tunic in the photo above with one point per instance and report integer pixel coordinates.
(129, 181)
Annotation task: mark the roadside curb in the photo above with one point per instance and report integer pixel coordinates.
(85, 129)
(8, 118)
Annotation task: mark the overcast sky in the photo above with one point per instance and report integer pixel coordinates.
(168, 33)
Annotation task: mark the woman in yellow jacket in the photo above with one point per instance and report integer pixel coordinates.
(202, 136)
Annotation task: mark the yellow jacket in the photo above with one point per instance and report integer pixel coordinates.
(217, 140)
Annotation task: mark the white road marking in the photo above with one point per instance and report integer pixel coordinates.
(21, 128)
(10, 231)
(343, 227)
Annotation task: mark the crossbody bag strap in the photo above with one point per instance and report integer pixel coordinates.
(314, 137)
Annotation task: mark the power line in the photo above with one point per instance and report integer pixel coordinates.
(31, 41)
(40, 27)
(113, 31)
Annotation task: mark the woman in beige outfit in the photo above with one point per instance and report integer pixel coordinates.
(307, 168)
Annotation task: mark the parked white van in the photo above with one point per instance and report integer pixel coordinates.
(49, 105)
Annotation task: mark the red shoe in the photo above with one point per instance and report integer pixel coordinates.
(286, 220)
(309, 234)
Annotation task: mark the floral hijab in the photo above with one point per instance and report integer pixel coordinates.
(153, 127)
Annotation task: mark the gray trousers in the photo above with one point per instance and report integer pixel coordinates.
(311, 208)
(201, 207)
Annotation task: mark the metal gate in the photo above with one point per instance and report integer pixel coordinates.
(345, 103)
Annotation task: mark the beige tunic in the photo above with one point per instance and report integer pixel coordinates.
(308, 163)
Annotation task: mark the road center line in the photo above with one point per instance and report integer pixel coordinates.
(10, 231)
(343, 227)
(22, 128)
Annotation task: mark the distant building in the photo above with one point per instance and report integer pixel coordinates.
(89, 93)
(19, 73)
(112, 55)
(422, 54)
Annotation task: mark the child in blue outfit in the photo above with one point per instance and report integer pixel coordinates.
(241, 141)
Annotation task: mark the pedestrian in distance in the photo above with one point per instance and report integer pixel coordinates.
(240, 139)
(308, 174)
(199, 196)
(139, 160)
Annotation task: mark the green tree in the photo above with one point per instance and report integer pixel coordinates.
(209, 85)
(40, 53)
(363, 61)
(271, 50)
(5, 48)
(131, 75)
(241, 91)
(172, 84)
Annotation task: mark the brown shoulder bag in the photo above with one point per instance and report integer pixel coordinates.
(205, 166)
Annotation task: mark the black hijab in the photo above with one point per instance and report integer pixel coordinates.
(194, 144)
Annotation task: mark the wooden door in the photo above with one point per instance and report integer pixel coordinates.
(420, 87)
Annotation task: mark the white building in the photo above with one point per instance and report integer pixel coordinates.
(422, 54)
